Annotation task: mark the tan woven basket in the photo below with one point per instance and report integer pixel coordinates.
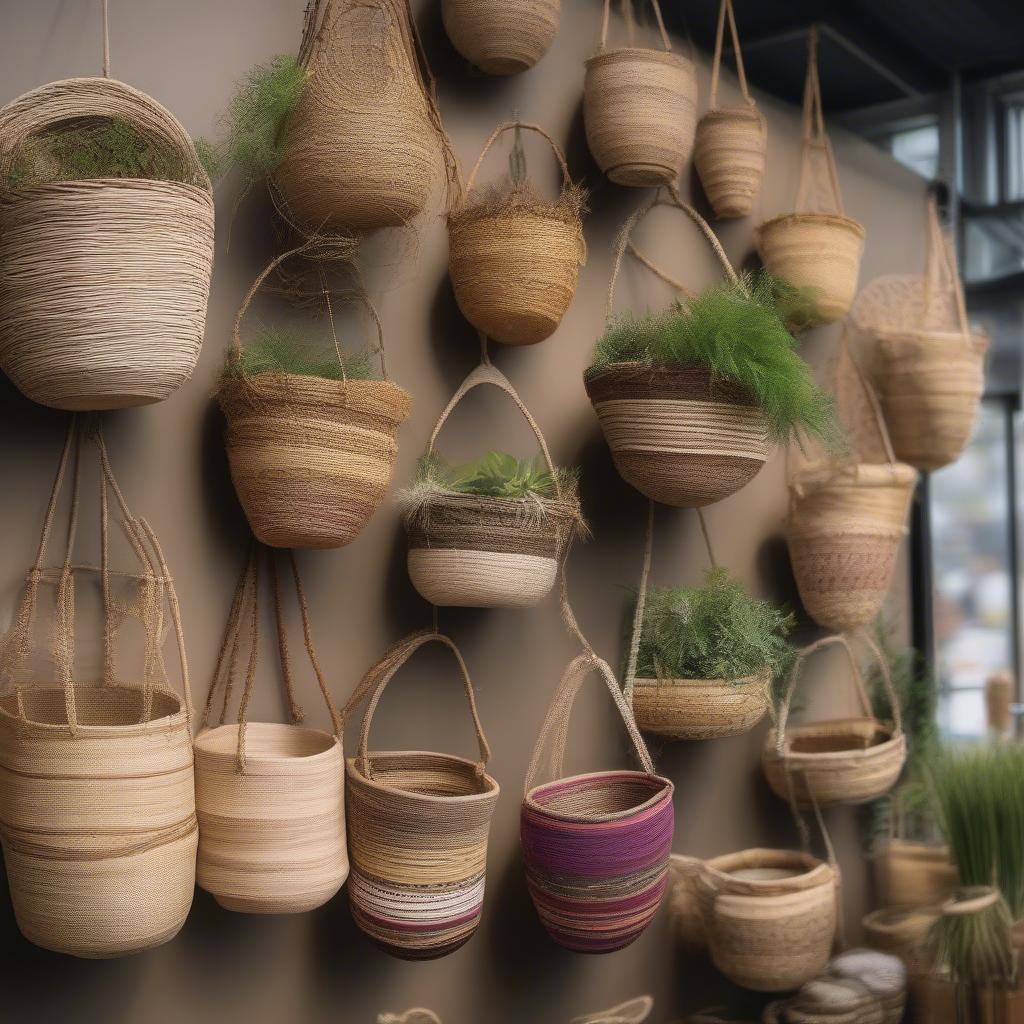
(365, 146)
(502, 37)
(103, 282)
(817, 250)
(97, 803)
(310, 458)
(640, 109)
(842, 761)
(903, 932)
(769, 916)
(418, 829)
(911, 874)
(270, 797)
(676, 435)
(730, 147)
(514, 269)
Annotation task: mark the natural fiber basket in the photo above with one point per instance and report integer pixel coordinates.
(476, 551)
(731, 142)
(270, 797)
(418, 829)
(769, 916)
(828, 1000)
(310, 458)
(903, 932)
(816, 250)
(364, 146)
(103, 281)
(595, 846)
(502, 37)
(911, 874)
(640, 109)
(515, 260)
(677, 435)
(841, 761)
(97, 805)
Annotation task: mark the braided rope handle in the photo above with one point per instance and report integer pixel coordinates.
(663, 32)
(75, 98)
(725, 11)
(814, 135)
(507, 126)
(633, 1011)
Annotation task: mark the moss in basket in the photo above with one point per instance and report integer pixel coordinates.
(734, 330)
(496, 475)
(278, 349)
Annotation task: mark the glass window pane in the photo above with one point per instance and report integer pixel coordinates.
(918, 149)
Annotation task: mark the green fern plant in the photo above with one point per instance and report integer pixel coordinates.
(280, 349)
(497, 475)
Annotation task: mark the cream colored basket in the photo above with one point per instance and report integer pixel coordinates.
(502, 37)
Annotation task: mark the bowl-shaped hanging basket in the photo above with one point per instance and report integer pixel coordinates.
(729, 154)
(912, 874)
(700, 709)
(103, 281)
(502, 37)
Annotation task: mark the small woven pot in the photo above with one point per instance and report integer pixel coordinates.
(700, 709)
(903, 932)
(843, 532)
(502, 37)
(103, 282)
(909, 874)
(729, 154)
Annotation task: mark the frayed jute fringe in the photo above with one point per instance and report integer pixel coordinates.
(103, 282)
(502, 37)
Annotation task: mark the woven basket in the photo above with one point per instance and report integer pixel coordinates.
(700, 709)
(595, 846)
(769, 916)
(97, 802)
(843, 761)
(903, 932)
(270, 797)
(310, 458)
(502, 37)
(640, 110)
(730, 147)
(909, 874)
(104, 281)
(418, 830)
(364, 148)
(828, 1000)
(514, 269)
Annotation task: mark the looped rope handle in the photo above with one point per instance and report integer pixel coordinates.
(725, 11)
(814, 135)
(980, 898)
(380, 674)
(417, 1015)
(606, 16)
(633, 1011)
(941, 272)
(507, 126)
(623, 243)
(555, 727)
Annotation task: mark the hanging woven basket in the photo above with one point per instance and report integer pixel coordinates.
(676, 434)
(270, 797)
(515, 260)
(103, 281)
(818, 250)
(97, 802)
(477, 551)
(364, 146)
(902, 932)
(595, 846)
(640, 109)
(912, 874)
(768, 916)
(731, 142)
(502, 37)
(310, 457)
(418, 829)
(841, 761)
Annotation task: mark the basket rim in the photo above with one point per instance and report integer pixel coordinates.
(859, 474)
(648, 53)
(980, 340)
(668, 683)
(878, 751)
(635, 366)
(254, 761)
(662, 786)
(799, 216)
(747, 111)
(491, 793)
(726, 864)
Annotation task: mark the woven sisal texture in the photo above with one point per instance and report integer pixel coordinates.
(912, 874)
(700, 709)
(595, 846)
(418, 829)
(502, 37)
(903, 932)
(829, 1000)
(103, 282)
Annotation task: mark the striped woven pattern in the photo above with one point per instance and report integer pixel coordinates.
(700, 709)
(729, 154)
(502, 37)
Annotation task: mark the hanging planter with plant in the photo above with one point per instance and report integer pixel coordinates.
(490, 534)
(819, 250)
(640, 108)
(502, 37)
(730, 146)
(690, 399)
(515, 258)
(311, 442)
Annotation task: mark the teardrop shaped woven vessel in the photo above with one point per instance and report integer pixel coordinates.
(729, 154)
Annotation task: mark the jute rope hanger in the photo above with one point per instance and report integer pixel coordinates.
(725, 11)
(631, 28)
(814, 135)
(515, 124)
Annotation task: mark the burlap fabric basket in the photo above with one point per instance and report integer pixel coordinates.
(768, 917)
(817, 249)
(502, 37)
(270, 796)
(97, 805)
(676, 434)
(515, 260)
(104, 281)
(912, 874)
(476, 551)
(595, 846)
(310, 458)
(841, 761)
(418, 829)
(364, 146)
(926, 363)
(640, 109)
(731, 142)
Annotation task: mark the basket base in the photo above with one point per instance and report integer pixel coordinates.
(299, 904)
(642, 175)
(686, 481)
(453, 578)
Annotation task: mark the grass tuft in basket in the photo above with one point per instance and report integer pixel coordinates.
(279, 349)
